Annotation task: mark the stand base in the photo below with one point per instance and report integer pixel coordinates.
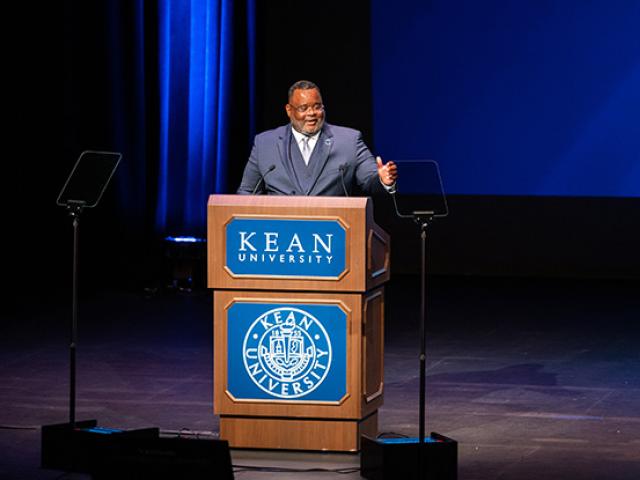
(107, 453)
(63, 449)
(395, 458)
(81, 448)
(297, 433)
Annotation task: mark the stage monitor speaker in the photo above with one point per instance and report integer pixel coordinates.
(398, 458)
(162, 457)
(75, 449)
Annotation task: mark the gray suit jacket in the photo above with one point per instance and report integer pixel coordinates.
(270, 169)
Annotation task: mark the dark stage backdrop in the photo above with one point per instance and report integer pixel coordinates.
(88, 76)
(109, 61)
(328, 44)
(520, 97)
(81, 80)
(530, 109)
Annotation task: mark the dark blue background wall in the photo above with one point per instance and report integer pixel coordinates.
(511, 97)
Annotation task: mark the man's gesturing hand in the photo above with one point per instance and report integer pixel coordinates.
(388, 172)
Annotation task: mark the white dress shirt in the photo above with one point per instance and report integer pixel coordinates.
(313, 139)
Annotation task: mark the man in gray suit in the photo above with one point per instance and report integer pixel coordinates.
(311, 157)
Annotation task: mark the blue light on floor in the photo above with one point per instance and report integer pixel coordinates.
(406, 440)
(184, 239)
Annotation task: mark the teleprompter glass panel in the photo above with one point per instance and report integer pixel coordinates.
(89, 178)
(419, 188)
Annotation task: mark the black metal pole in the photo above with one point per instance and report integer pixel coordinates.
(423, 345)
(74, 322)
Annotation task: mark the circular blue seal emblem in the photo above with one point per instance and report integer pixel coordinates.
(287, 352)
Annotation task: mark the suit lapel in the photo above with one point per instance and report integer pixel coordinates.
(284, 149)
(320, 154)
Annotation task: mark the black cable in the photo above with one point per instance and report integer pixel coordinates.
(62, 475)
(186, 432)
(18, 427)
(392, 435)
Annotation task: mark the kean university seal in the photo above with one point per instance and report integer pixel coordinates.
(287, 352)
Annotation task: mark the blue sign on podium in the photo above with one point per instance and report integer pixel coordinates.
(286, 351)
(286, 247)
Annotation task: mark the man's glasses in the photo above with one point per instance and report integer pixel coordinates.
(317, 107)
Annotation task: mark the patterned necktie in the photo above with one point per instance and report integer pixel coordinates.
(306, 151)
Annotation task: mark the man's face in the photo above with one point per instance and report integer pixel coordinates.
(305, 110)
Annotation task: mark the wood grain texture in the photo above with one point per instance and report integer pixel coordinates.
(297, 434)
(354, 213)
(373, 349)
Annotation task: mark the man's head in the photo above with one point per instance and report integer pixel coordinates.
(305, 108)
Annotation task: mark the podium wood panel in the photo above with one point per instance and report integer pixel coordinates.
(373, 347)
(367, 265)
(353, 406)
(293, 434)
(353, 286)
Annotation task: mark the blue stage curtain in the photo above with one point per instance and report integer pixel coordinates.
(198, 51)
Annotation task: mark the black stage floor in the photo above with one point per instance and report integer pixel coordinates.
(536, 379)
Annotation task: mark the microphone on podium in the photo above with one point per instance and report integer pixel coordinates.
(269, 170)
(343, 168)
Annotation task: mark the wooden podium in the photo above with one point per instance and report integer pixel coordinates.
(298, 320)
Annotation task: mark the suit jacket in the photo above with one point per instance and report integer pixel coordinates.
(270, 167)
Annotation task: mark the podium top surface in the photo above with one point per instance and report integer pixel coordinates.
(280, 201)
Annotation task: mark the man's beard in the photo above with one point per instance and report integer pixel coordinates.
(299, 127)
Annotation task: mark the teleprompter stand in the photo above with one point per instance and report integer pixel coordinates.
(436, 456)
(62, 448)
(108, 453)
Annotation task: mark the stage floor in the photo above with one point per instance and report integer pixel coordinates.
(535, 379)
